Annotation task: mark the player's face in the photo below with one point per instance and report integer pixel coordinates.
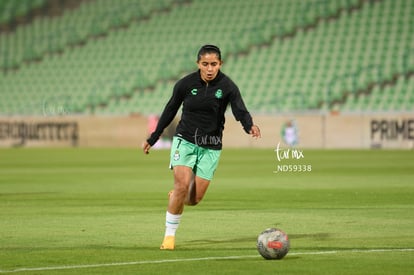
(209, 65)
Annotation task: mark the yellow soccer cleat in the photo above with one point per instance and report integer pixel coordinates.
(168, 243)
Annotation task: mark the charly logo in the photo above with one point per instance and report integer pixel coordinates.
(194, 91)
(219, 93)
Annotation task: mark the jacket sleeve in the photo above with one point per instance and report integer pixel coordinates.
(170, 110)
(240, 111)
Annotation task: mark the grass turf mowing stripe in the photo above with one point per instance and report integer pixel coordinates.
(202, 259)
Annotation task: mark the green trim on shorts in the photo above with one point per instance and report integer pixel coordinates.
(203, 161)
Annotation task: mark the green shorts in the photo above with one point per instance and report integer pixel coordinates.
(203, 161)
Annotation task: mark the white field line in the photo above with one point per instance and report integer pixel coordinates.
(47, 268)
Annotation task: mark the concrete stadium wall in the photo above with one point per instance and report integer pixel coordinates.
(333, 131)
(313, 131)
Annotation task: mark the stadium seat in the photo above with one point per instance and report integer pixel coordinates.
(284, 55)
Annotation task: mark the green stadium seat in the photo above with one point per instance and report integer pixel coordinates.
(336, 57)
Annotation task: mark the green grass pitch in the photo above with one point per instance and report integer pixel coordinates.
(102, 211)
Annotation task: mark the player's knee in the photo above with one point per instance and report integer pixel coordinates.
(180, 190)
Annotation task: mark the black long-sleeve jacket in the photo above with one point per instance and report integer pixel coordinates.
(204, 105)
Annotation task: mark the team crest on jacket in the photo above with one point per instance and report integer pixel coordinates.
(194, 91)
(219, 93)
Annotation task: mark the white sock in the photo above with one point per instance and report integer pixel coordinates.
(171, 223)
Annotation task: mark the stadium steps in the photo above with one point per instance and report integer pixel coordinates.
(351, 54)
(259, 34)
(391, 95)
(13, 12)
(53, 35)
(254, 34)
(299, 68)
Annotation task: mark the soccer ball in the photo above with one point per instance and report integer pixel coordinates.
(273, 244)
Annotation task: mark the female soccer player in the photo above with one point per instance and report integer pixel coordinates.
(197, 143)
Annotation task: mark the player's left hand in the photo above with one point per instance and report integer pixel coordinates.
(255, 131)
(146, 147)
